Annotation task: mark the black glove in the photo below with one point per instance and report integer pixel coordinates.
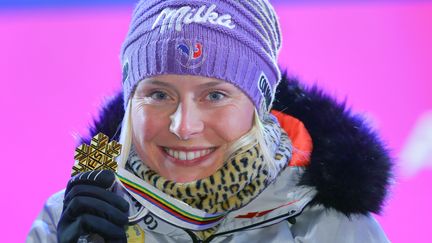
(90, 208)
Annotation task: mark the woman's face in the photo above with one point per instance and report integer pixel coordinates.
(182, 124)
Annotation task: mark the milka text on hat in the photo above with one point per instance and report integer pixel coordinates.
(187, 15)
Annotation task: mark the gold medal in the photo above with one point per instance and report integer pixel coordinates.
(99, 155)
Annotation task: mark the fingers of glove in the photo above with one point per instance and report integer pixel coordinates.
(101, 178)
(117, 241)
(98, 193)
(90, 224)
(83, 205)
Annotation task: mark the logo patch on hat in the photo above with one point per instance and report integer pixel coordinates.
(125, 72)
(176, 18)
(264, 87)
(191, 55)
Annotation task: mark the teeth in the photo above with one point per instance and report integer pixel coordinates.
(170, 152)
(181, 155)
(190, 155)
(203, 152)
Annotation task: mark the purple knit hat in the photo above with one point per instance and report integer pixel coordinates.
(236, 41)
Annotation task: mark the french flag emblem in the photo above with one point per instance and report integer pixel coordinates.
(191, 54)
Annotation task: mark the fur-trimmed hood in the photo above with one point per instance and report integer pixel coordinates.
(350, 166)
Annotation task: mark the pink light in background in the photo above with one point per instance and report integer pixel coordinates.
(56, 67)
(379, 57)
(58, 64)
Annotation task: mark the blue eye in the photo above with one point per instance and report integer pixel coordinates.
(215, 96)
(158, 95)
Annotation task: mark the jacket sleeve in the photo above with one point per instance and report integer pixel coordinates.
(44, 228)
(317, 224)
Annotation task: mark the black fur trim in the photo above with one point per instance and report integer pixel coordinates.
(350, 166)
(109, 121)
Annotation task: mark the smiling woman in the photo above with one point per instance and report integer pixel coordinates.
(205, 157)
(173, 123)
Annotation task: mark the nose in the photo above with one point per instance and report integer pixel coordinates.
(186, 121)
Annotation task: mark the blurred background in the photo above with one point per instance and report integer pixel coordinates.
(60, 58)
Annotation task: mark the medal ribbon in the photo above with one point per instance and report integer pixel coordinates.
(165, 207)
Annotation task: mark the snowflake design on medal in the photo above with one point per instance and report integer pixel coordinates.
(191, 55)
(99, 155)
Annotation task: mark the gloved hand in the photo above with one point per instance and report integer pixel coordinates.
(90, 207)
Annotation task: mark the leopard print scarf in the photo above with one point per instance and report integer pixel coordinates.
(242, 177)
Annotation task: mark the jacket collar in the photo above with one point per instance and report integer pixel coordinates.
(282, 199)
(349, 166)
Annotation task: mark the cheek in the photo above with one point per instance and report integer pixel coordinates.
(145, 125)
(231, 124)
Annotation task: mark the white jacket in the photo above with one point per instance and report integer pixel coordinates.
(279, 214)
(330, 200)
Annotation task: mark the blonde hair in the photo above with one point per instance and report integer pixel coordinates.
(255, 136)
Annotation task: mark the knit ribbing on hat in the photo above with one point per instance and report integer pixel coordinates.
(236, 41)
